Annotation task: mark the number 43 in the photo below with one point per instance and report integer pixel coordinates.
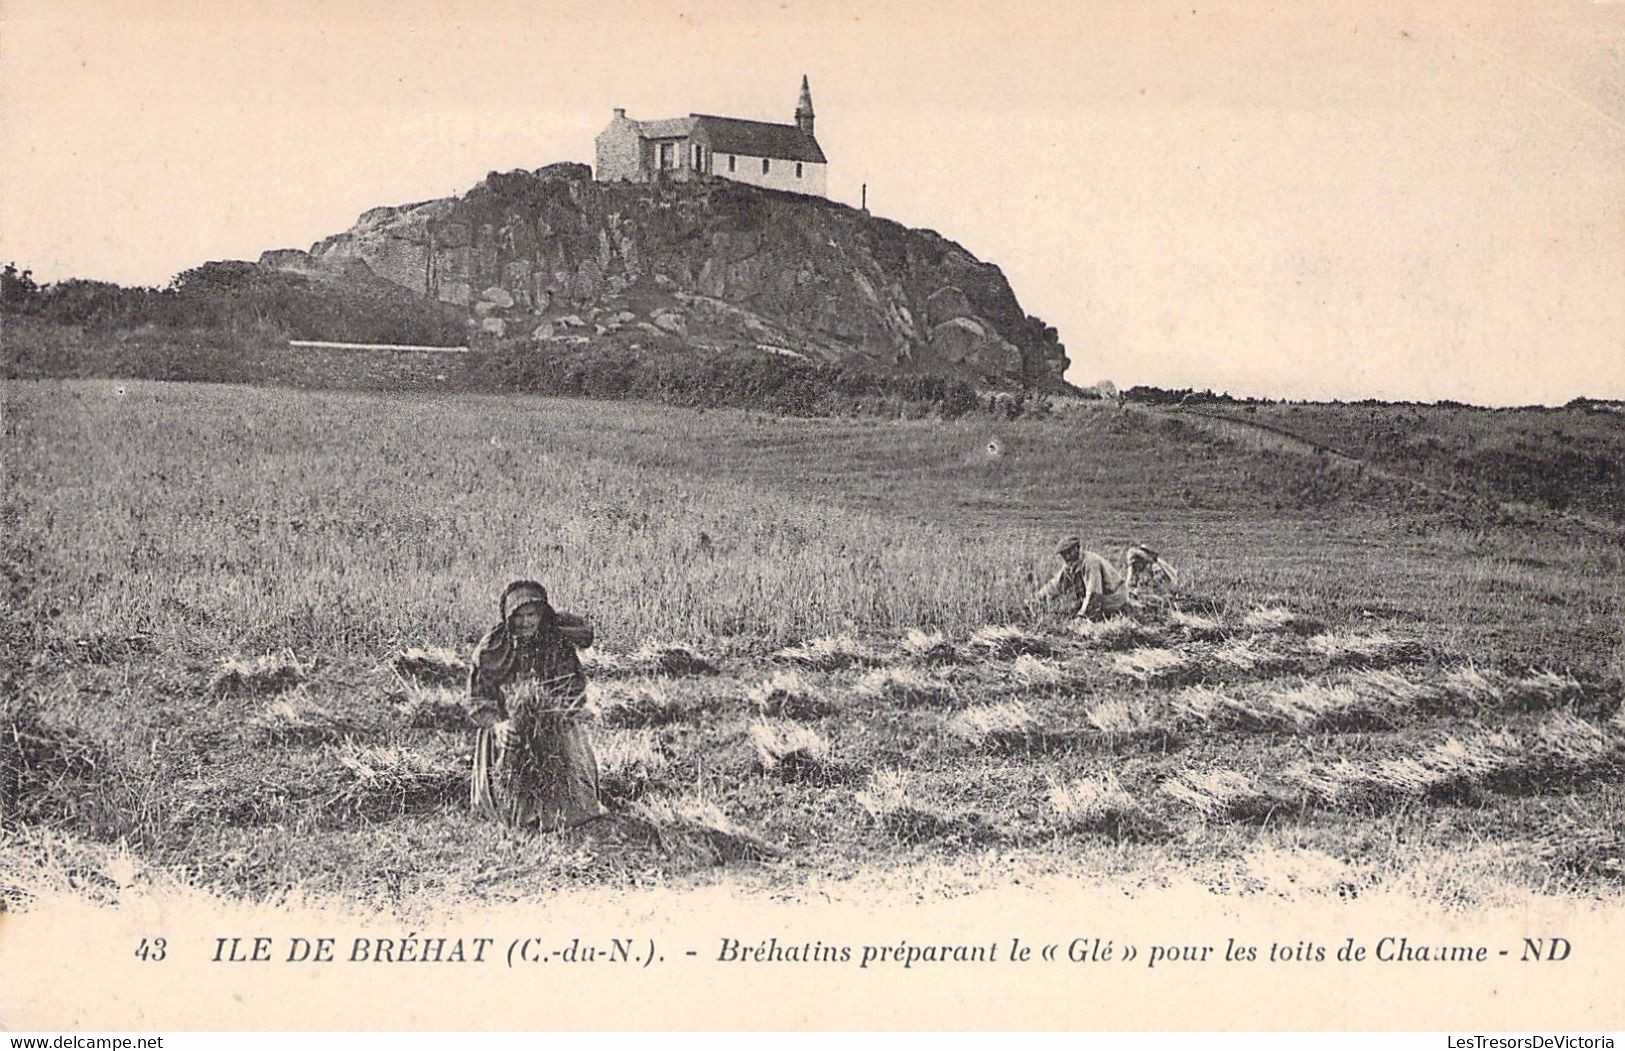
(150, 949)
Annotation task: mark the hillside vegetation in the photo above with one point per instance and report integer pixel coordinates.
(237, 615)
(232, 304)
(673, 375)
(1569, 459)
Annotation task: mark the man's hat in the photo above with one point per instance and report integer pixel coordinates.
(1071, 543)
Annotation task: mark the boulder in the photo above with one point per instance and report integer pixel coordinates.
(494, 326)
(947, 303)
(997, 357)
(958, 338)
(569, 171)
(450, 235)
(455, 292)
(588, 280)
(516, 275)
(294, 259)
(499, 296)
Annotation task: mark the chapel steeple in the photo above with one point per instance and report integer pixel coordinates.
(804, 110)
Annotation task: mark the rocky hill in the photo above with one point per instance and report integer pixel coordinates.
(552, 260)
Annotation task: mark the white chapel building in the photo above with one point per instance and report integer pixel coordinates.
(777, 156)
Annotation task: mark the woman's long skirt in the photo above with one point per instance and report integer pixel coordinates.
(549, 780)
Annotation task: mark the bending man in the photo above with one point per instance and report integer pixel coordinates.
(1086, 585)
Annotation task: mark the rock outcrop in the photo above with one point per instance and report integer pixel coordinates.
(551, 256)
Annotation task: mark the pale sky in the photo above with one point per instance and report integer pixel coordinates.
(1294, 199)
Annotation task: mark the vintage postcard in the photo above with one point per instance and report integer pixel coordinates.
(755, 516)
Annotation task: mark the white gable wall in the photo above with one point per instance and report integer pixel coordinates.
(781, 174)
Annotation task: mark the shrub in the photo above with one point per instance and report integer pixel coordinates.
(1152, 664)
(830, 653)
(634, 704)
(1008, 725)
(891, 804)
(1094, 804)
(1037, 673)
(696, 830)
(295, 717)
(1278, 618)
(388, 781)
(927, 647)
(788, 749)
(430, 665)
(265, 674)
(1115, 633)
(905, 686)
(44, 766)
(433, 707)
(629, 762)
(1008, 641)
(1225, 794)
(789, 695)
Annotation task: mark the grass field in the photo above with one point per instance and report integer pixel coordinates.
(235, 617)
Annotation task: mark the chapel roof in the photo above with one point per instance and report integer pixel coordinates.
(674, 128)
(758, 138)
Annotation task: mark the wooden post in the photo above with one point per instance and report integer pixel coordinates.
(866, 197)
(428, 265)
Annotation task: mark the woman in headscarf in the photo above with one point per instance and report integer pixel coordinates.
(1147, 569)
(533, 761)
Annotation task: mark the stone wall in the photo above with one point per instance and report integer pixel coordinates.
(350, 369)
(68, 354)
